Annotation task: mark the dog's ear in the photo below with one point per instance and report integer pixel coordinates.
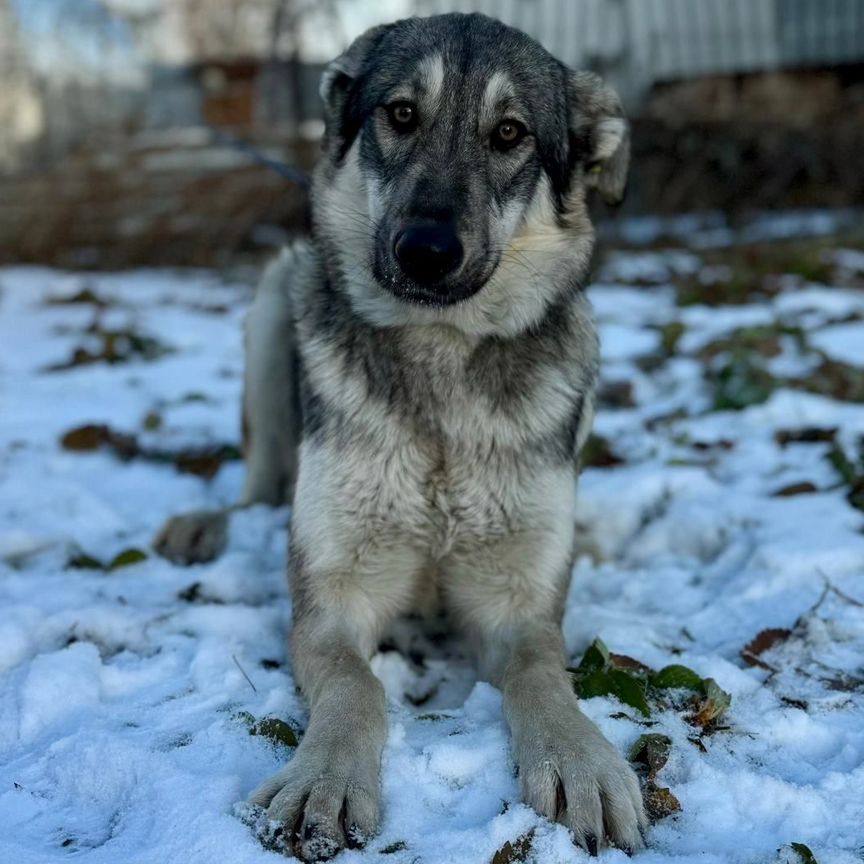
(342, 117)
(599, 134)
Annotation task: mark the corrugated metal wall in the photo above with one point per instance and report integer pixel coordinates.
(638, 42)
(811, 31)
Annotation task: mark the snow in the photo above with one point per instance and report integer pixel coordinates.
(843, 342)
(121, 735)
(712, 229)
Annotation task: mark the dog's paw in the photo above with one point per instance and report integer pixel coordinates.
(322, 804)
(571, 774)
(193, 538)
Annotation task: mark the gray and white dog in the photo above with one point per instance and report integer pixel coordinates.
(423, 371)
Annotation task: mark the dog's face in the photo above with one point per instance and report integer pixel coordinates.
(458, 152)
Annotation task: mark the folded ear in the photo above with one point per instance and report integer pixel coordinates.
(599, 134)
(342, 117)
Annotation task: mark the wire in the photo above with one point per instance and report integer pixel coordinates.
(287, 172)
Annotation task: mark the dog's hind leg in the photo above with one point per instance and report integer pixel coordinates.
(272, 422)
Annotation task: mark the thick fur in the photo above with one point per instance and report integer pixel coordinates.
(439, 448)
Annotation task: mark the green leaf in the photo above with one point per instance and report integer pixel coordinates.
(596, 683)
(152, 421)
(614, 682)
(630, 690)
(677, 677)
(596, 656)
(126, 558)
(651, 751)
(83, 561)
(275, 730)
(804, 853)
(597, 453)
(670, 334)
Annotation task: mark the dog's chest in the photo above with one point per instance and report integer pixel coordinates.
(454, 459)
(428, 435)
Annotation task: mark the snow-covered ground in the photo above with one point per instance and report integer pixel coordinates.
(126, 693)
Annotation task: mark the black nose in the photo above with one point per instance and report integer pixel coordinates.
(427, 252)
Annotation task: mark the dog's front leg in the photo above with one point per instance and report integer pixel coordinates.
(328, 796)
(568, 771)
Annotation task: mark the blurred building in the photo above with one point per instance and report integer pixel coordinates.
(638, 44)
(21, 109)
(119, 127)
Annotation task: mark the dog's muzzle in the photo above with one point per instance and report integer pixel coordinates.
(428, 252)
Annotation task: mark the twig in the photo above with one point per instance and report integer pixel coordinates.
(830, 586)
(243, 673)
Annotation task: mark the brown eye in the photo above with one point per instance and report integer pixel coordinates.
(403, 116)
(507, 134)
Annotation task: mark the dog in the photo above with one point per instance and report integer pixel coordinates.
(419, 380)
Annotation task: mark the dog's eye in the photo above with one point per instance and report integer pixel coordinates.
(507, 134)
(403, 116)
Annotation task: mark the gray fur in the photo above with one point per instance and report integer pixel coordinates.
(441, 425)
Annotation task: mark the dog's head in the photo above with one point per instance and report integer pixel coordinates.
(458, 153)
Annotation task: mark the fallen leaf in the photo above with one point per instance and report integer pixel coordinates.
(720, 444)
(152, 421)
(739, 381)
(84, 438)
(806, 435)
(670, 335)
(596, 656)
(201, 461)
(617, 683)
(190, 594)
(677, 677)
(762, 642)
(597, 453)
(275, 730)
(272, 728)
(514, 850)
(652, 752)
(660, 802)
(622, 661)
(84, 295)
(83, 561)
(844, 683)
(126, 558)
(616, 394)
(93, 436)
(796, 853)
(711, 706)
(205, 462)
(805, 487)
(804, 853)
(851, 474)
